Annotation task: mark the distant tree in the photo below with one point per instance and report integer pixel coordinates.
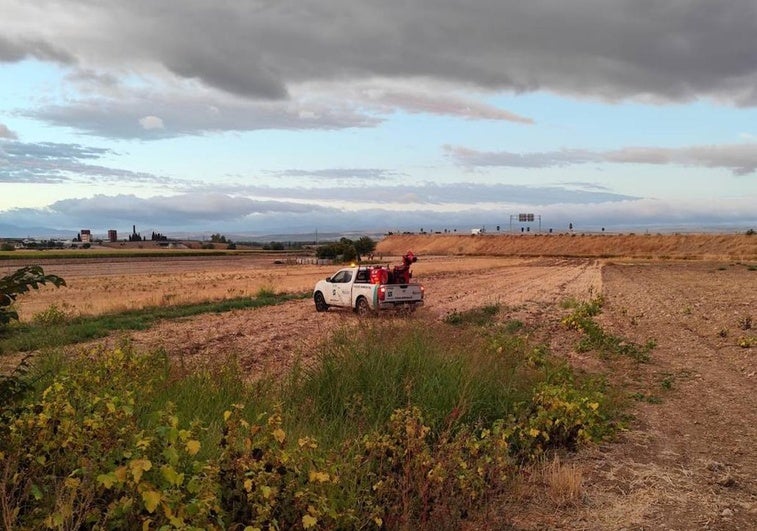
(349, 253)
(218, 238)
(328, 251)
(273, 246)
(344, 249)
(364, 246)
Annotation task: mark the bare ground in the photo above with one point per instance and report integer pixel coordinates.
(688, 459)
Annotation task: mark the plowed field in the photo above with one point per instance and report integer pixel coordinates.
(688, 459)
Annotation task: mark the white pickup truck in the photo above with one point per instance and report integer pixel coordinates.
(352, 287)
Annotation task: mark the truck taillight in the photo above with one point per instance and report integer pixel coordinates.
(382, 293)
(423, 292)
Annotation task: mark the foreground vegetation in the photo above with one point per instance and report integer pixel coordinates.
(395, 428)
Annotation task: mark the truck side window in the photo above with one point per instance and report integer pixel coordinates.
(342, 277)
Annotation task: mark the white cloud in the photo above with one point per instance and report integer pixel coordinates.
(7, 133)
(149, 123)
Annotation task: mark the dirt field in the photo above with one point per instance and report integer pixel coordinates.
(688, 459)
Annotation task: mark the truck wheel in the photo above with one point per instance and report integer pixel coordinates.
(362, 308)
(320, 302)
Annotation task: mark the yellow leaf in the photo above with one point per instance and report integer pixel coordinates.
(248, 485)
(226, 415)
(107, 480)
(171, 475)
(320, 477)
(266, 491)
(193, 447)
(594, 405)
(533, 432)
(279, 435)
(308, 521)
(379, 522)
(120, 474)
(151, 499)
(138, 466)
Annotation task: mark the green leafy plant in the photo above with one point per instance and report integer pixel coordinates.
(52, 315)
(595, 338)
(477, 316)
(21, 281)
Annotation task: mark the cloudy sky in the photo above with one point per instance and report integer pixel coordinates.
(279, 116)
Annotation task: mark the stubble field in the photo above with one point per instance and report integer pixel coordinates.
(688, 459)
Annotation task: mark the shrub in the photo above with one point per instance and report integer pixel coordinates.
(13, 285)
(52, 316)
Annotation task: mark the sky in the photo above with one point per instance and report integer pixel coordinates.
(291, 116)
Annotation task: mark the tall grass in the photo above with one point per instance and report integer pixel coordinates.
(362, 376)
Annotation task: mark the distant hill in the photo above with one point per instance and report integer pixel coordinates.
(681, 246)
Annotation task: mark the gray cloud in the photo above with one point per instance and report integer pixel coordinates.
(228, 214)
(18, 50)
(48, 162)
(192, 211)
(434, 194)
(589, 48)
(123, 115)
(741, 159)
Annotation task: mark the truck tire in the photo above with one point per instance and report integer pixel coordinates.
(362, 308)
(320, 302)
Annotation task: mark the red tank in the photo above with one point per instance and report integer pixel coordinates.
(379, 275)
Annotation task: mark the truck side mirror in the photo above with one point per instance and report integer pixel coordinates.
(328, 279)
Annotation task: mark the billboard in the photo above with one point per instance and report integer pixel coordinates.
(525, 217)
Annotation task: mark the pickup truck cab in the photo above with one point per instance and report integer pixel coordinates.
(352, 287)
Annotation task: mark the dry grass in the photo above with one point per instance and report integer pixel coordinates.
(93, 293)
(563, 482)
(677, 246)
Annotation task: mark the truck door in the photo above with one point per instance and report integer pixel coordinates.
(340, 289)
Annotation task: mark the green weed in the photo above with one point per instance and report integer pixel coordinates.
(595, 338)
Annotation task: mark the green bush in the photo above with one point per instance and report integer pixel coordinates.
(21, 281)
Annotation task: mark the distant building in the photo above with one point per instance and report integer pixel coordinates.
(112, 235)
(86, 236)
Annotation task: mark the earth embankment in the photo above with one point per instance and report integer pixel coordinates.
(647, 246)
